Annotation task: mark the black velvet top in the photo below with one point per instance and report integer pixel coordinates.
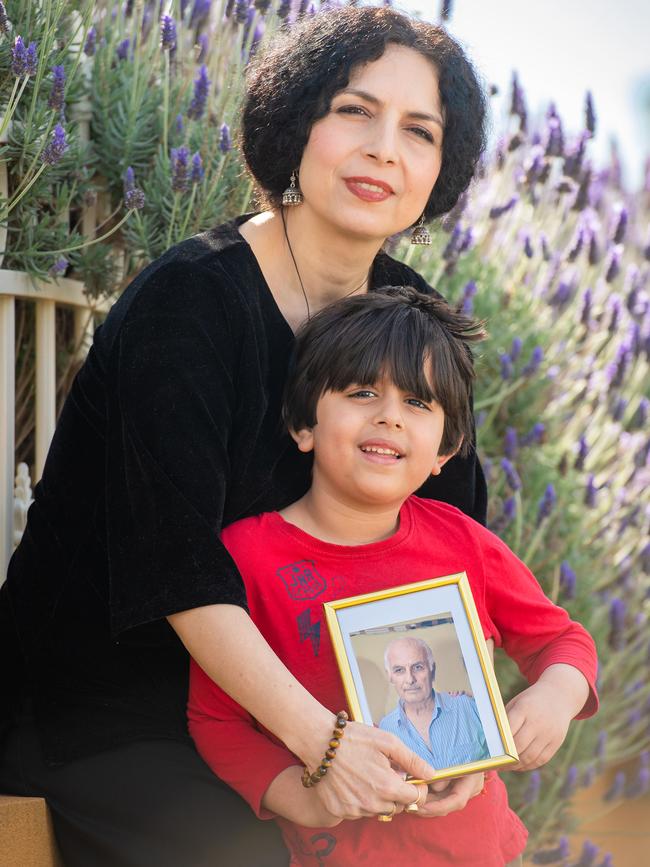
(171, 431)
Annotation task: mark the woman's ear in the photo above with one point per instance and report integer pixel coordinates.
(304, 438)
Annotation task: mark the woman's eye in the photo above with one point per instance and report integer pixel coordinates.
(352, 109)
(423, 133)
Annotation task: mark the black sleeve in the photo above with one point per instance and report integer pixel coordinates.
(172, 390)
(461, 483)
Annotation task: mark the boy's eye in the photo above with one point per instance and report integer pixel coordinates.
(363, 392)
(420, 404)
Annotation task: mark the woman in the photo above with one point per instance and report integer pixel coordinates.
(172, 430)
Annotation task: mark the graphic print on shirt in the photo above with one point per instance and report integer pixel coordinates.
(302, 580)
(300, 849)
(309, 630)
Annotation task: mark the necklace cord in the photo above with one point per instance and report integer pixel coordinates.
(295, 265)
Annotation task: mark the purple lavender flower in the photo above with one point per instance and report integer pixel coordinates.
(644, 558)
(617, 788)
(262, 6)
(498, 210)
(531, 792)
(518, 103)
(122, 49)
(562, 294)
(467, 302)
(555, 137)
(582, 196)
(241, 11)
(588, 854)
(617, 613)
(534, 435)
(200, 97)
(570, 782)
(134, 198)
(5, 24)
(467, 241)
(91, 42)
(167, 33)
(590, 114)
(568, 580)
(614, 264)
(31, 59)
(225, 142)
(230, 5)
(594, 251)
(446, 10)
(178, 123)
(588, 777)
(507, 370)
(453, 243)
(529, 252)
(200, 12)
(204, 44)
(583, 451)
(59, 268)
(578, 243)
(510, 443)
(284, 8)
(546, 250)
(587, 301)
(601, 743)
(179, 161)
(56, 147)
(618, 368)
(546, 504)
(575, 157)
(536, 358)
(621, 225)
(18, 57)
(55, 99)
(552, 856)
(590, 493)
(196, 175)
(618, 408)
(512, 477)
(509, 509)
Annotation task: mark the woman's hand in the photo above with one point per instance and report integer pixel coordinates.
(362, 780)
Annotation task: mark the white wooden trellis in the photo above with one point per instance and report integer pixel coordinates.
(15, 483)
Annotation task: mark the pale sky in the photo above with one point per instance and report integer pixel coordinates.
(561, 49)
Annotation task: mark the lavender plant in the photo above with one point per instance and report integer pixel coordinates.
(562, 406)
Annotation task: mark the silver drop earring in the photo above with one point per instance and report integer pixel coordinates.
(292, 195)
(421, 235)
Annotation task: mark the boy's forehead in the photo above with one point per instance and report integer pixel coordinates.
(388, 376)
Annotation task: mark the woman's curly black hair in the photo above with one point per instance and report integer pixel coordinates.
(291, 86)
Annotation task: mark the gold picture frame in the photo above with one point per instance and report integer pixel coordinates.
(363, 627)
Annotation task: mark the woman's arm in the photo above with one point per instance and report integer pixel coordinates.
(231, 651)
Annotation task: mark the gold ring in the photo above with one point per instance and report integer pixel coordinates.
(415, 806)
(387, 817)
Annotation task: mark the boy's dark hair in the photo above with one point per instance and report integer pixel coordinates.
(291, 86)
(394, 331)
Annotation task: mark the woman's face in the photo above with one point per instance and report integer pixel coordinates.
(370, 164)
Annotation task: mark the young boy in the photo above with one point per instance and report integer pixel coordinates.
(380, 392)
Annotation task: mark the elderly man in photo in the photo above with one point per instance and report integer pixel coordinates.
(442, 728)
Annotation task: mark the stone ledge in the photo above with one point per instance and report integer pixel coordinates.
(26, 835)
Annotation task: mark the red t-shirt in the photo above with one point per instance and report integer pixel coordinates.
(433, 539)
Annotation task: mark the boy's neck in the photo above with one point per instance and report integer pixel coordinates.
(329, 519)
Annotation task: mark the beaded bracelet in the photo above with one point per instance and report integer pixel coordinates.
(309, 780)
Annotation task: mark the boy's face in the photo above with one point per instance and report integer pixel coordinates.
(373, 445)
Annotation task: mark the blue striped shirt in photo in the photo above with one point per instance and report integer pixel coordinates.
(456, 734)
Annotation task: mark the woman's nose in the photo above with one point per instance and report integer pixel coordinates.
(382, 143)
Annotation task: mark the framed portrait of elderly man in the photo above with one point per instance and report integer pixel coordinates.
(414, 662)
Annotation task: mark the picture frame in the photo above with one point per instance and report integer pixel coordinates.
(417, 650)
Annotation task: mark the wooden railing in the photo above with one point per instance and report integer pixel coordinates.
(15, 482)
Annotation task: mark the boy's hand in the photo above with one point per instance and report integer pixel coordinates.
(448, 796)
(540, 715)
